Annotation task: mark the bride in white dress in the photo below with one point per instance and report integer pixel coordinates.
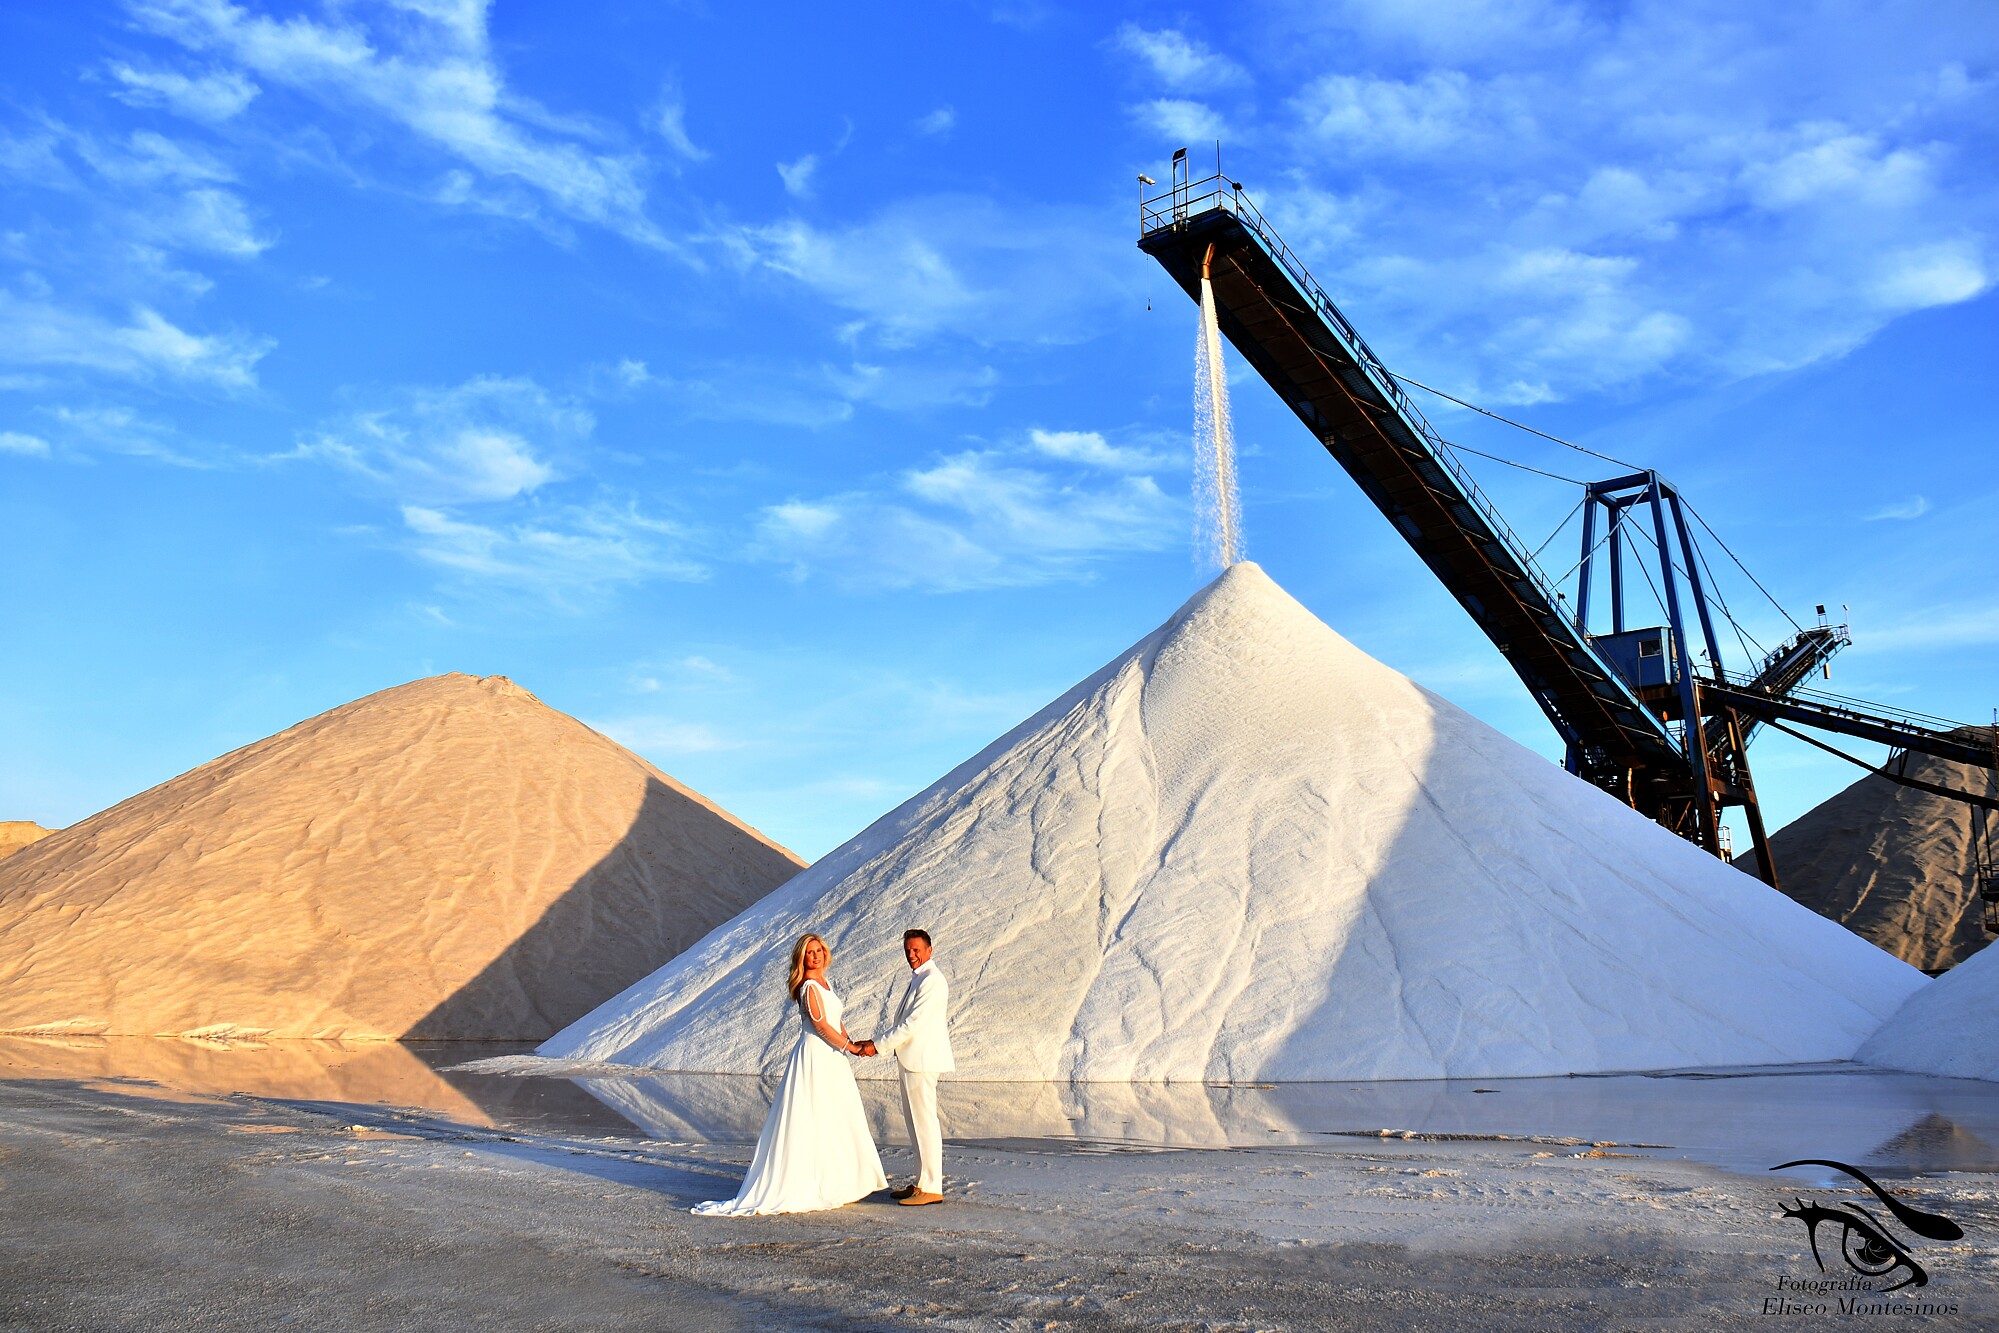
(815, 1150)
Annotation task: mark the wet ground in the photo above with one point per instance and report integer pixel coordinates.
(193, 1185)
(1744, 1120)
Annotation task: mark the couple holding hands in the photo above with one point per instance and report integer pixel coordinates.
(815, 1150)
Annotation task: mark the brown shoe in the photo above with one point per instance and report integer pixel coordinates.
(902, 1192)
(917, 1198)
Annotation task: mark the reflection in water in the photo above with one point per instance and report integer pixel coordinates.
(372, 1073)
(721, 1108)
(1744, 1120)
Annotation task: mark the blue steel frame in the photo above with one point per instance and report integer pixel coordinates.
(1650, 492)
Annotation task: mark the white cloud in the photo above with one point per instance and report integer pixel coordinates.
(665, 735)
(487, 440)
(13, 442)
(969, 521)
(797, 176)
(1374, 117)
(1089, 447)
(148, 158)
(670, 123)
(907, 387)
(1853, 167)
(121, 430)
(1913, 507)
(211, 97)
(209, 222)
(146, 346)
(430, 68)
(938, 123)
(1182, 121)
(1178, 60)
(1466, 29)
(1918, 277)
(133, 214)
(1533, 200)
(573, 550)
(954, 264)
(809, 395)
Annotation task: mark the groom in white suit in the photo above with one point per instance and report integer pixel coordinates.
(921, 1044)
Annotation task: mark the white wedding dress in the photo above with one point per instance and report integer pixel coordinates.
(815, 1150)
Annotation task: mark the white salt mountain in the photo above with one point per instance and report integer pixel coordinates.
(1946, 1027)
(1245, 850)
(449, 858)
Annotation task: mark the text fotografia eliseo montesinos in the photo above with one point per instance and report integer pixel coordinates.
(1850, 1295)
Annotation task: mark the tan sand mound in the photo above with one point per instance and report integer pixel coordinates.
(449, 858)
(1891, 863)
(18, 833)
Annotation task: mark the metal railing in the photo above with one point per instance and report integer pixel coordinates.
(1861, 709)
(1183, 201)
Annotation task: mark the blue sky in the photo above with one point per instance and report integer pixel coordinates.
(776, 390)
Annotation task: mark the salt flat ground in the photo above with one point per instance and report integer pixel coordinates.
(127, 1205)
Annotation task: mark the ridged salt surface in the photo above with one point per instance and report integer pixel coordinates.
(1944, 1028)
(1246, 851)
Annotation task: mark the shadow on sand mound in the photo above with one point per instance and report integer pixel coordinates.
(651, 896)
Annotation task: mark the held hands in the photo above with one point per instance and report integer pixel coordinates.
(862, 1048)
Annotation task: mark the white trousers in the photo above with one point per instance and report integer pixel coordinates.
(926, 1135)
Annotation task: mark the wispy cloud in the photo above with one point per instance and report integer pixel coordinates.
(1392, 118)
(938, 123)
(145, 345)
(564, 552)
(114, 428)
(489, 439)
(14, 442)
(669, 121)
(797, 175)
(1181, 120)
(145, 195)
(1090, 447)
(430, 69)
(1178, 60)
(1543, 199)
(1913, 507)
(808, 395)
(973, 520)
(957, 264)
(665, 735)
(212, 97)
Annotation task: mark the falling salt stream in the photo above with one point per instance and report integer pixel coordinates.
(1218, 519)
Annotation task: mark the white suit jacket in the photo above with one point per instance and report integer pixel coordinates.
(921, 1039)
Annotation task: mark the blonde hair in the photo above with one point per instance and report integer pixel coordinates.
(798, 961)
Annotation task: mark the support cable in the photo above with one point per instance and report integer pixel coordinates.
(1739, 565)
(1566, 444)
(1978, 800)
(1558, 530)
(1570, 444)
(1639, 528)
(1585, 555)
(1552, 476)
(1741, 634)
